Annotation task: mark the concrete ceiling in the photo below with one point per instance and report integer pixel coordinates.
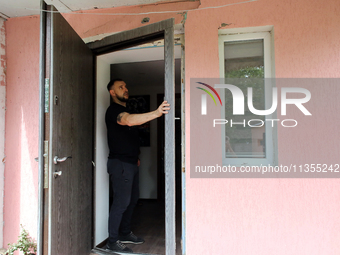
(17, 8)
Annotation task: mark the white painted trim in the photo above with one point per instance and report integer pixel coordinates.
(241, 34)
(245, 30)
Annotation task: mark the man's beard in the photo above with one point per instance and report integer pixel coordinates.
(122, 99)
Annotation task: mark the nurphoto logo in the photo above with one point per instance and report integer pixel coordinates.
(204, 97)
(238, 103)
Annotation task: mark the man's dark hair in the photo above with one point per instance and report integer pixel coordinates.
(109, 86)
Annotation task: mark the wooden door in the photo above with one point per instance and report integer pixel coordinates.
(71, 135)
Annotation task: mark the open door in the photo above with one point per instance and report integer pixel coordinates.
(71, 139)
(69, 130)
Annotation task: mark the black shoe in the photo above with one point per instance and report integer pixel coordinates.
(117, 246)
(131, 238)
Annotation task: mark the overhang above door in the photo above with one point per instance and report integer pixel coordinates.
(10, 9)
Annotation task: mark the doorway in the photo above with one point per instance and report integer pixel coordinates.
(142, 68)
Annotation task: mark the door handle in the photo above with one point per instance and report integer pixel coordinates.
(57, 160)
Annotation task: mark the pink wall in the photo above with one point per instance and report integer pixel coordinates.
(2, 116)
(22, 113)
(265, 216)
(224, 216)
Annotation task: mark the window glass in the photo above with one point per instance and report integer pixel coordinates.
(244, 67)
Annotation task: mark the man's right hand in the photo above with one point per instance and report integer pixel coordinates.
(164, 108)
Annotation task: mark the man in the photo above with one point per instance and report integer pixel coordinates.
(123, 163)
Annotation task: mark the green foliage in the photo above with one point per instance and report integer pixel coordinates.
(25, 244)
(250, 76)
(247, 72)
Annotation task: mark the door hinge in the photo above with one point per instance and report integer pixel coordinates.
(183, 169)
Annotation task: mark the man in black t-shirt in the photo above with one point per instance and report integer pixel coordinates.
(123, 163)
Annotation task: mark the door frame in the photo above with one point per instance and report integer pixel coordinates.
(126, 39)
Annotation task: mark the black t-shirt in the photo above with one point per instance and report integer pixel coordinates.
(123, 140)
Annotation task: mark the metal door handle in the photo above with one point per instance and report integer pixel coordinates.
(57, 160)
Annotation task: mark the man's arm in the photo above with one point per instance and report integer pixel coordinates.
(127, 119)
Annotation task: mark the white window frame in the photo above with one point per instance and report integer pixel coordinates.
(265, 33)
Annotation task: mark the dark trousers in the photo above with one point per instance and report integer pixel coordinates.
(124, 178)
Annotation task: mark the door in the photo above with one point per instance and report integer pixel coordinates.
(71, 139)
(70, 69)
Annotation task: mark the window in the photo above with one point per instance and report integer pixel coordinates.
(246, 62)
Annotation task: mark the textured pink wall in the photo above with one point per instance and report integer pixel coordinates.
(21, 147)
(2, 115)
(266, 216)
(224, 216)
